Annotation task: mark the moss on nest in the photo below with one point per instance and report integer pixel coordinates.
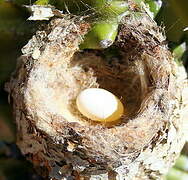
(53, 71)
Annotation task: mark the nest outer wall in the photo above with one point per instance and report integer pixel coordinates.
(62, 143)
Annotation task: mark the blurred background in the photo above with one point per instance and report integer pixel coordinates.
(16, 30)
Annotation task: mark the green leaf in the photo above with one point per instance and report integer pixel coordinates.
(182, 163)
(153, 6)
(176, 174)
(178, 52)
(174, 16)
(42, 2)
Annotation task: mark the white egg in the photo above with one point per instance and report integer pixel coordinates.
(99, 105)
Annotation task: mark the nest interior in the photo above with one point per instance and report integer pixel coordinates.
(115, 73)
(137, 69)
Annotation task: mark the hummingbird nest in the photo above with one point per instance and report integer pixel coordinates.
(137, 68)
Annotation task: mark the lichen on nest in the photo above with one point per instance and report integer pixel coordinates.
(137, 68)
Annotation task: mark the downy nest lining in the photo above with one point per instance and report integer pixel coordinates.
(136, 68)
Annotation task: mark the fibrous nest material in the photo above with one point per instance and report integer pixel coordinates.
(137, 68)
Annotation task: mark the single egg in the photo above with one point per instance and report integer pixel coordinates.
(99, 105)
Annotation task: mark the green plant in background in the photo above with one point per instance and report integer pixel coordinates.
(154, 6)
(14, 33)
(180, 169)
(102, 35)
(182, 163)
(104, 14)
(176, 174)
(174, 16)
(104, 31)
(105, 8)
(178, 52)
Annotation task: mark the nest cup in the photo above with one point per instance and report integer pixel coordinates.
(52, 133)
